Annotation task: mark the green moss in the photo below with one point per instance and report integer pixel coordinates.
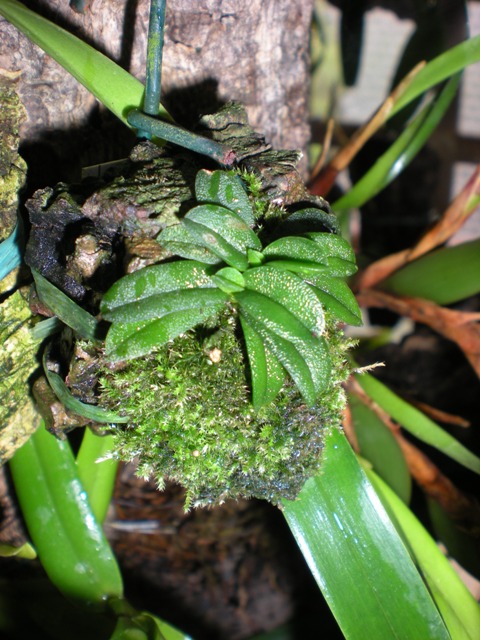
(192, 421)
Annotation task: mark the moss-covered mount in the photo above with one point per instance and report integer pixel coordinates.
(192, 420)
(189, 398)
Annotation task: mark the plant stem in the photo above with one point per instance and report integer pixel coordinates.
(171, 133)
(153, 80)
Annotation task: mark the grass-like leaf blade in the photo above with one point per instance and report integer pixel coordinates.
(417, 423)
(68, 311)
(356, 556)
(457, 605)
(114, 87)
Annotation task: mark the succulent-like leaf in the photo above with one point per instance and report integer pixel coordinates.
(297, 248)
(151, 281)
(229, 280)
(340, 268)
(336, 296)
(303, 355)
(225, 189)
(266, 372)
(129, 340)
(291, 292)
(178, 241)
(223, 232)
(333, 245)
(309, 219)
(162, 304)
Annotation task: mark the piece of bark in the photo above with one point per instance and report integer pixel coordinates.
(215, 51)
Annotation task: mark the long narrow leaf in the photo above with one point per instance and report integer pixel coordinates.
(439, 69)
(401, 152)
(355, 554)
(10, 253)
(113, 86)
(417, 423)
(458, 607)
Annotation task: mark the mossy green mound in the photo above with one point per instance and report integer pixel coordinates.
(192, 420)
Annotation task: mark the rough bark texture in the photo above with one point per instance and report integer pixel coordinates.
(215, 51)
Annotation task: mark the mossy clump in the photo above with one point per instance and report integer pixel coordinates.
(192, 420)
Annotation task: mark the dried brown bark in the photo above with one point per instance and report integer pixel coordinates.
(215, 51)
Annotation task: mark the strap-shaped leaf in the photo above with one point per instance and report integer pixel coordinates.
(161, 304)
(303, 355)
(291, 292)
(129, 340)
(151, 281)
(266, 372)
(66, 309)
(220, 187)
(337, 297)
(304, 268)
(217, 245)
(178, 241)
(340, 268)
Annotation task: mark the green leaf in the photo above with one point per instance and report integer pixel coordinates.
(225, 189)
(110, 84)
(71, 545)
(90, 411)
(96, 473)
(336, 296)
(378, 445)
(178, 241)
(223, 232)
(444, 276)
(401, 152)
(229, 280)
(439, 69)
(307, 220)
(127, 340)
(318, 247)
(291, 292)
(266, 372)
(304, 356)
(356, 556)
(151, 281)
(458, 607)
(66, 309)
(417, 423)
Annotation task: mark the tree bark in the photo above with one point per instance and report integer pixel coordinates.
(216, 51)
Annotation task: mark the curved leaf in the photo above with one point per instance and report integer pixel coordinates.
(336, 296)
(225, 189)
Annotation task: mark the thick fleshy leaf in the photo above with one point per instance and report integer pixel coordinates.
(333, 245)
(179, 241)
(303, 355)
(307, 220)
(134, 339)
(223, 233)
(336, 296)
(417, 422)
(317, 247)
(266, 372)
(225, 189)
(152, 281)
(66, 309)
(291, 292)
(445, 276)
(356, 556)
(159, 305)
(229, 280)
